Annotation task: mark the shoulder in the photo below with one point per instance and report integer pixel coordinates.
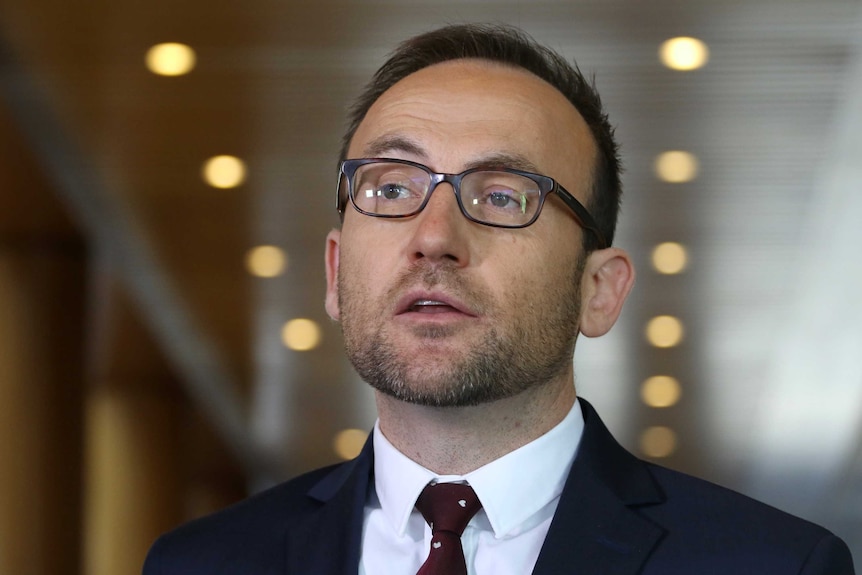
(696, 501)
(252, 530)
(700, 527)
(713, 527)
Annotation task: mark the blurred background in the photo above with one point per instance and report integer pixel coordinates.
(166, 182)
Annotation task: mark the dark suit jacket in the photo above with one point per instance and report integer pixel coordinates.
(617, 515)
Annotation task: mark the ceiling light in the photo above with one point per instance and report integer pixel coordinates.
(664, 331)
(348, 443)
(669, 258)
(660, 391)
(224, 171)
(684, 53)
(658, 441)
(170, 59)
(676, 166)
(266, 261)
(300, 334)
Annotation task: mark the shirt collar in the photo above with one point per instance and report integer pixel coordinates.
(398, 481)
(511, 488)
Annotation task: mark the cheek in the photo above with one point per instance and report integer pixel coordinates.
(515, 270)
(366, 260)
(542, 272)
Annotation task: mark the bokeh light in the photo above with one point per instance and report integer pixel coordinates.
(661, 391)
(664, 331)
(224, 172)
(266, 261)
(677, 166)
(301, 334)
(170, 59)
(658, 441)
(669, 258)
(348, 443)
(684, 53)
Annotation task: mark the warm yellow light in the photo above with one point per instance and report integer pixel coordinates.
(266, 261)
(348, 443)
(661, 391)
(676, 166)
(224, 171)
(658, 441)
(170, 59)
(300, 334)
(664, 331)
(669, 258)
(684, 53)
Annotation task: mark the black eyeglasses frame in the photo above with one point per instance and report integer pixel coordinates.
(547, 185)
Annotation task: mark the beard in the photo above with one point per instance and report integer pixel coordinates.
(523, 350)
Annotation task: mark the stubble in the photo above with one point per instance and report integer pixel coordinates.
(528, 341)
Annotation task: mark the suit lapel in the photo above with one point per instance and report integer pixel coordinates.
(596, 528)
(329, 540)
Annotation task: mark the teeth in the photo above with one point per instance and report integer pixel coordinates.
(428, 302)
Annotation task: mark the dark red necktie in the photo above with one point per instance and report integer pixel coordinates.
(448, 508)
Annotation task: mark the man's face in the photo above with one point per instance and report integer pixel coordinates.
(438, 310)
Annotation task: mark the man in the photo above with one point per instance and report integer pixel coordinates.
(479, 189)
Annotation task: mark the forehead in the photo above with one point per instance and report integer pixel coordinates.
(453, 114)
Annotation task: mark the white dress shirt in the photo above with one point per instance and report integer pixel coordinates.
(519, 494)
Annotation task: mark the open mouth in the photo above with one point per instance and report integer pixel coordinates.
(431, 306)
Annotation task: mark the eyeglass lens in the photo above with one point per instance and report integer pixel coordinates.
(496, 197)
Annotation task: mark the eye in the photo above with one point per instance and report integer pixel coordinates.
(392, 191)
(396, 183)
(505, 199)
(389, 189)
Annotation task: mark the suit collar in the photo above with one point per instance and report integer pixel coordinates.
(597, 528)
(625, 475)
(329, 540)
(345, 475)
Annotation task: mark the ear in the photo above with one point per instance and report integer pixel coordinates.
(608, 278)
(333, 247)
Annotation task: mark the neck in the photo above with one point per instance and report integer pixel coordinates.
(457, 440)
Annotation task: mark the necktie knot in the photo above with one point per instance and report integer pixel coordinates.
(447, 508)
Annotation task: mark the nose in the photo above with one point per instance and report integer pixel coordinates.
(440, 231)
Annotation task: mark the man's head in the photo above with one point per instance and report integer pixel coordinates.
(436, 308)
(511, 47)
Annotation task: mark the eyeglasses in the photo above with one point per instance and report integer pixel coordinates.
(501, 197)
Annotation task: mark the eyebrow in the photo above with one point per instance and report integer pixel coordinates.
(382, 146)
(503, 160)
(379, 147)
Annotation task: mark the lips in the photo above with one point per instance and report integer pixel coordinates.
(431, 303)
(430, 306)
